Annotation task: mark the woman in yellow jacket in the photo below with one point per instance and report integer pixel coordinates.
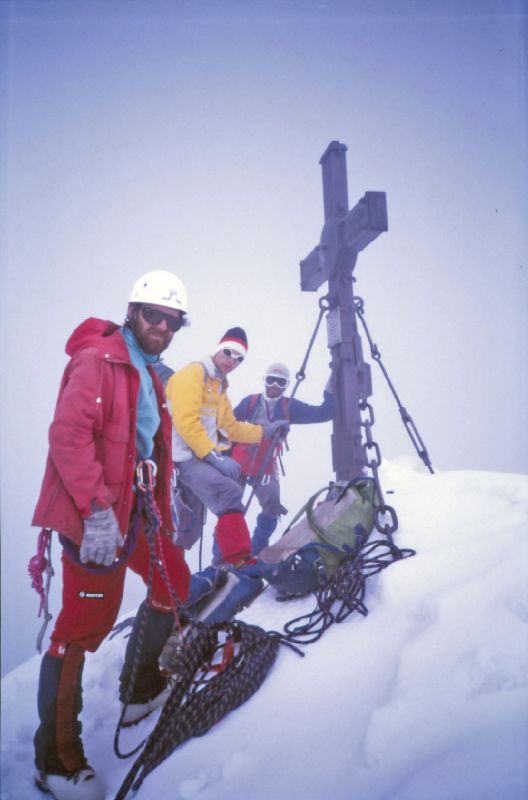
(204, 427)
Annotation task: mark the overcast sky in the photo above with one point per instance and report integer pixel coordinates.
(187, 136)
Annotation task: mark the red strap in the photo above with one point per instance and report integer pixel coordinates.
(228, 654)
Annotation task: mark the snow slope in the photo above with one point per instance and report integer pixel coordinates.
(424, 699)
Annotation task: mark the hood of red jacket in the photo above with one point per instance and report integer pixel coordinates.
(97, 333)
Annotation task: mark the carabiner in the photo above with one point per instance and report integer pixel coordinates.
(146, 475)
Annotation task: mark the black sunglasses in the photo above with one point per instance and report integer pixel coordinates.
(153, 316)
(232, 354)
(273, 379)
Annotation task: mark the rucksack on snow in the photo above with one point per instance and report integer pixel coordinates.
(319, 537)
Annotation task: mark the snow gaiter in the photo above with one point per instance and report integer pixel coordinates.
(156, 627)
(232, 536)
(58, 745)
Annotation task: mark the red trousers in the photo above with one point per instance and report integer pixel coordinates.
(91, 600)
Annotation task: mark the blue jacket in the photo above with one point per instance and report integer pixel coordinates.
(297, 412)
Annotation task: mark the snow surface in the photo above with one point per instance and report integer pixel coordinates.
(424, 699)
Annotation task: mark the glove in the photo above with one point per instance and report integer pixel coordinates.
(271, 427)
(101, 538)
(224, 464)
(329, 388)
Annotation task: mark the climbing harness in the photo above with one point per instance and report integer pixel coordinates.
(38, 564)
(198, 702)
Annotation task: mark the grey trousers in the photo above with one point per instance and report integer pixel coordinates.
(268, 495)
(216, 491)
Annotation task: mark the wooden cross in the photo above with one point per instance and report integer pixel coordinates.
(345, 233)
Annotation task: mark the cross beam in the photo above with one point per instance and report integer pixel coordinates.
(345, 233)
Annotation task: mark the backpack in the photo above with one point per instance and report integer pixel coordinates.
(251, 456)
(319, 538)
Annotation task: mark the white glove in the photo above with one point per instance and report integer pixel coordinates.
(272, 427)
(101, 538)
(224, 464)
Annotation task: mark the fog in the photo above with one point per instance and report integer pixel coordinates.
(187, 136)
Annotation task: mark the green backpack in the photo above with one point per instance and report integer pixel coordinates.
(319, 537)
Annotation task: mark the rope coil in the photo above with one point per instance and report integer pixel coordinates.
(196, 704)
(348, 587)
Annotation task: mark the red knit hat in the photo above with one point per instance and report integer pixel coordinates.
(234, 338)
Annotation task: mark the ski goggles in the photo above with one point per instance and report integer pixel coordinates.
(232, 354)
(153, 316)
(275, 380)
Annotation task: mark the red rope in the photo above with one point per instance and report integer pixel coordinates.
(38, 565)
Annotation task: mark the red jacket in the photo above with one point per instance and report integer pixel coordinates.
(92, 439)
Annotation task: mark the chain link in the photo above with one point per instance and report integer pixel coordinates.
(385, 517)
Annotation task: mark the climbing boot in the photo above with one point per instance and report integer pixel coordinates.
(149, 691)
(81, 785)
(135, 712)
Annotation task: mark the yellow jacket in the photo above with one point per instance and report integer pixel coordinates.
(202, 415)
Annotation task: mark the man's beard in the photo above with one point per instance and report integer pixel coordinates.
(152, 340)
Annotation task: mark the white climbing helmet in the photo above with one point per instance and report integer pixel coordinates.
(278, 370)
(161, 288)
(277, 374)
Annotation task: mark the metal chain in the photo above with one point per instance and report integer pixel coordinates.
(407, 420)
(385, 517)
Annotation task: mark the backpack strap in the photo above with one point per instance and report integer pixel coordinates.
(365, 488)
(300, 513)
(285, 407)
(253, 403)
(252, 406)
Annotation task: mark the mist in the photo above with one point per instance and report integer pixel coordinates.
(187, 136)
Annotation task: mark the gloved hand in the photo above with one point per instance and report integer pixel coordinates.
(101, 537)
(224, 464)
(271, 427)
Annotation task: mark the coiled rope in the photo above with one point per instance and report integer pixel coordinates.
(344, 591)
(197, 703)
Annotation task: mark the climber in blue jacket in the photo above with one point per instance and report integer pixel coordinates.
(259, 467)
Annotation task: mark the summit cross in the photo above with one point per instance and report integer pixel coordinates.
(345, 233)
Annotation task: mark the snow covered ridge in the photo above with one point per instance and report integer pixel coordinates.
(424, 699)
